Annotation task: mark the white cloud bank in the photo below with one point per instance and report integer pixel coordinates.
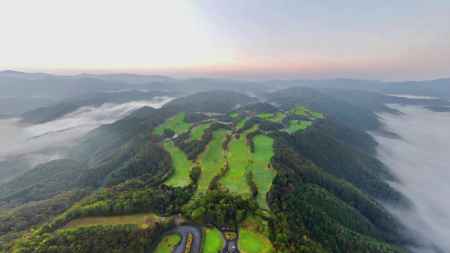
(39, 143)
(420, 159)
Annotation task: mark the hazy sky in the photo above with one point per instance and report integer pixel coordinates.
(400, 39)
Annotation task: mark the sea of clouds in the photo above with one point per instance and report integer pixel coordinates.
(420, 159)
(44, 142)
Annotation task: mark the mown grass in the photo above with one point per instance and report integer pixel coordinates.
(265, 115)
(233, 114)
(252, 242)
(274, 117)
(303, 111)
(239, 158)
(278, 117)
(168, 244)
(197, 132)
(181, 166)
(212, 160)
(297, 125)
(176, 123)
(241, 123)
(263, 174)
(317, 115)
(141, 220)
(213, 241)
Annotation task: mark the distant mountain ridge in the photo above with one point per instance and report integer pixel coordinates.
(345, 83)
(22, 88)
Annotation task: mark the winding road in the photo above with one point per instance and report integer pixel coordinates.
(230, 246)
(184, 232)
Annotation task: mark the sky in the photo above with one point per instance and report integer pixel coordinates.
(388, 40)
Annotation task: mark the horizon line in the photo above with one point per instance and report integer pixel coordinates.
(104, 72)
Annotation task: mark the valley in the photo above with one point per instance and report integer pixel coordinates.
(250, 178)
(224, 126)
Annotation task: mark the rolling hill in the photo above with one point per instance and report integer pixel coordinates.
(296, 173)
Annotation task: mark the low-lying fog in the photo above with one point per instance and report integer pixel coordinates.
(41, 142)
(420, 159)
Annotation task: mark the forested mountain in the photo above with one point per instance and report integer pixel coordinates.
(296, 173)
(23, 92)
(57, 110)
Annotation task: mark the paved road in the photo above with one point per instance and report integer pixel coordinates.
(196, 240)
(230, 247)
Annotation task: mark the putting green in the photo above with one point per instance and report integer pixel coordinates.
(263, 174)
(252, 242)
(176, 123)
(212, 160)
(168, 244)
(181, 165)
(213, 242)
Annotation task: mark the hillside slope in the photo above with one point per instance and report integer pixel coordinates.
(297, 177)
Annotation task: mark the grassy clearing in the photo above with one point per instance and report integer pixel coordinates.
(212, 160)
(252, 242)
(168, 244)
(213, 242)
(303, 111)
(142, 220)
(233, 114)
(238, 156)
(176, 123)
(263, 174)
(241, 123)
(181, 164)
(277, 117)
(296, 125)
(317, 115)
(197, 132)
(265, 115)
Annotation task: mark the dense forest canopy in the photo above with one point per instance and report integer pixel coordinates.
(297, 171)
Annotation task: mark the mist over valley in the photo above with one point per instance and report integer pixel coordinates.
(420, 159)
(35, 144)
